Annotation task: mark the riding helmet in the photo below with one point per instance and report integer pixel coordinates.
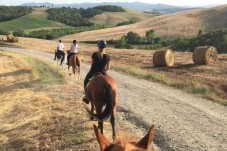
(101, 43)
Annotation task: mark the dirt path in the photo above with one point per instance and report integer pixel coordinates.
(183, 121)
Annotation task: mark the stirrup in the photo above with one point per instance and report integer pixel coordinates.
(85, 100)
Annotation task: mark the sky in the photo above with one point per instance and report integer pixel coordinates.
(170, 2)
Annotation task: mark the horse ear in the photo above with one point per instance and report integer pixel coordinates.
(145, 142)
(102, 140)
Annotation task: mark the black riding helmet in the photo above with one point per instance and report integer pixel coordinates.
(101, 43)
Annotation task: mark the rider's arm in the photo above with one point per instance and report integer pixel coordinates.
(108, 66)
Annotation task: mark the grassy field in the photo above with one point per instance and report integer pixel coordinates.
(182, 24)
(110, 19)
(35, 20)
(208, 81)
(41, 108)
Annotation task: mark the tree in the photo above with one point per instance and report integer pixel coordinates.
(133, 38)
(150, 36)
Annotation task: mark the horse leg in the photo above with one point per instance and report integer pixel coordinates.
(68, 70)
(92, 111)
(78, 73)
(100, 126)
(112, 121)
(74, 71)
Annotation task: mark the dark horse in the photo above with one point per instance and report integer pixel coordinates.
(123, 144)
(102, 91)
(59, 57)
(74, 62)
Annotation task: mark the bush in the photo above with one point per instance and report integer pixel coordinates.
(2, 32)
(19, 33)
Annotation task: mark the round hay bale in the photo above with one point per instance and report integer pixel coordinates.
(204, 55)
(163, 58)
(15, 39)
(9, 38)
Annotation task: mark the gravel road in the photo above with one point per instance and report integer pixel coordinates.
(183, 121)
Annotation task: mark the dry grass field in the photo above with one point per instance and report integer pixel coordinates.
(112, 19)
(212, 75)
(183, 24)
(37, 115)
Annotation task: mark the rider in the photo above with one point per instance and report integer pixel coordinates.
(73, 50)
(60, 51)
(100, 63)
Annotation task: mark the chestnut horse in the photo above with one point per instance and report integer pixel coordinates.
(74, 62)
(122, 144)
(102, 91)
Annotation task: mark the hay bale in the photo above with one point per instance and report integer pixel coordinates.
(15, 39)
(9, 38)
(163, 58)
(204, 55)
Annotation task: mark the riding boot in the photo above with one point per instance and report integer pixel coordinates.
(85, 100)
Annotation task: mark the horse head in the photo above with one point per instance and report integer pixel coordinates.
(122, 144)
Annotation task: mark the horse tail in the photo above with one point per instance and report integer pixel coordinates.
(109, 105)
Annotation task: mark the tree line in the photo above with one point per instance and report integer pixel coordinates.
(10, 12)
(109, 8)
(55, 33)
(216, 38)
(78, 17)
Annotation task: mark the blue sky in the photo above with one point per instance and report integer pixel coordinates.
(171, 2)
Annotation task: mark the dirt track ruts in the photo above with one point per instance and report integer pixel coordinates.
(183, 121)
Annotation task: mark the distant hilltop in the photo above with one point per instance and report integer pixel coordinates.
(161, 8)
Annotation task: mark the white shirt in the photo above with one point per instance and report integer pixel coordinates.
(60, 47)
(74, 48)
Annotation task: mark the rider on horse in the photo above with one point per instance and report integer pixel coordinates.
(60, 52)
(73, 50)
(100, 63)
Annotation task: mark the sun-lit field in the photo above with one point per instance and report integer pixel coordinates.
(35, 115)
(110, 19)
(35, 20)
(41, 112)
(183, 24)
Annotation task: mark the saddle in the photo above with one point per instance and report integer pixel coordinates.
(93, 76)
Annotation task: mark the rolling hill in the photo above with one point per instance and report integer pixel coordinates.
(183, 24)
(35, 20)
(110, 19)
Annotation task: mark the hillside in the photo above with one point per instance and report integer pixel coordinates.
(111, 19)
(133, 5)
(184, 24)
(35, 20)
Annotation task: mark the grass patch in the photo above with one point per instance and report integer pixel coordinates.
(188, 86)
(46, 73)
(36, 19)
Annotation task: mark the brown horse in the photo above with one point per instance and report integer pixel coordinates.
(122, 144)
(74, 62)
(102, 91)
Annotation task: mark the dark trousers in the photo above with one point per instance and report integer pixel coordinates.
(60, 54)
